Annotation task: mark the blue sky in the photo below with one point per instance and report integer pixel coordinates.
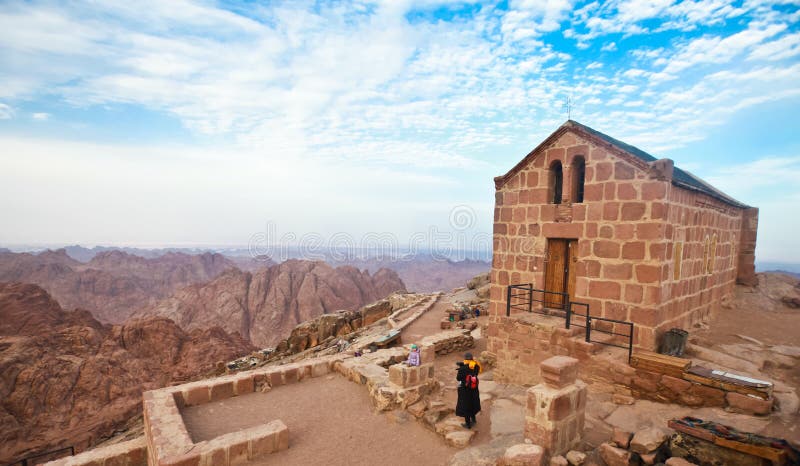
(186, 123)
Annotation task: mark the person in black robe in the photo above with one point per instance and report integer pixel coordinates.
(469, 400)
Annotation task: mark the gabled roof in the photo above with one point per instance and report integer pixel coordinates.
(680, 178)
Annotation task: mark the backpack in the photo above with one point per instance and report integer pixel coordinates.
(471, 381)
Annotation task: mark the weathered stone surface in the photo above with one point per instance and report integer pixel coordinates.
(647, 440)
(459, 438)
(57, 362)
(559, 371)
(112, 284)
(675, 461)
(621, 438)
(507, 417)
(622, 399)
(558, 461)
(614, 456)
(130, 453)
(576, 458)
(417, 409)
(263, 306)
(649, 458)
(523, 454)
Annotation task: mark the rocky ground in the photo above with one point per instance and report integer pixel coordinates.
(755, 335)
(67, 380)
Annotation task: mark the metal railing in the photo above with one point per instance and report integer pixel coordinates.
(614, 324)
(47, 456)
(522, 296)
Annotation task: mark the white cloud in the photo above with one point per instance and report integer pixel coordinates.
(6, 112)
(609, 47)
(358, 83)
(782, 48)
(530, 18)
(715, 49)
(40, 116)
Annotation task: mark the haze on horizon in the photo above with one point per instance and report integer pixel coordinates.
(201, 123)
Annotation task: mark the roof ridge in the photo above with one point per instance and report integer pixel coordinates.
(680, 178)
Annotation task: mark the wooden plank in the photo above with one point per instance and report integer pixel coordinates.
(693, 431)
(665, 358)
(660, 363)
(772, 454)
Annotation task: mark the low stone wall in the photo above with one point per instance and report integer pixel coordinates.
(449, 341)
(520, 342)
(168, 441)
(131, 453)
(627, 383)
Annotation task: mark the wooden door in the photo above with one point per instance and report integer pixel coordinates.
(559, 273)
(572, 258)
(555, 272)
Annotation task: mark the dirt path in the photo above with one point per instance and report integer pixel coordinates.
(427, 323)
(331, 422)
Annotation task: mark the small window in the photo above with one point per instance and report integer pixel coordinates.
(578, 178)
(677, 252)
(556, 182)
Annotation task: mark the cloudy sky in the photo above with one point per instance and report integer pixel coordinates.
(186, 123)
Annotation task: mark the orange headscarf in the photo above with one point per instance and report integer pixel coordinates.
(472, 363)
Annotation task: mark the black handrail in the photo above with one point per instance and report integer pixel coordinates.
(27, 460)
(628, 335)
(521, 298)
(524, 294)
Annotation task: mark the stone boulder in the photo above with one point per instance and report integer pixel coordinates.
(576, 458)
(647, 440)
(523, 454)
(614, 456)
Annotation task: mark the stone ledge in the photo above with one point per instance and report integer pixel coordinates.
(131, 453)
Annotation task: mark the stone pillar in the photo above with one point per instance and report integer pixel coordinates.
(555, 413)
(746, 271)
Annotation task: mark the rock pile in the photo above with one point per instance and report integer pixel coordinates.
(645, 447)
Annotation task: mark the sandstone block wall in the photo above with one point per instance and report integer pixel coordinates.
(131, 453)
(627, 229)
(521, 342)
(618, 378)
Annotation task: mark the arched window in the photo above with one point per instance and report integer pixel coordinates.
(578, 177)
(556, 182)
